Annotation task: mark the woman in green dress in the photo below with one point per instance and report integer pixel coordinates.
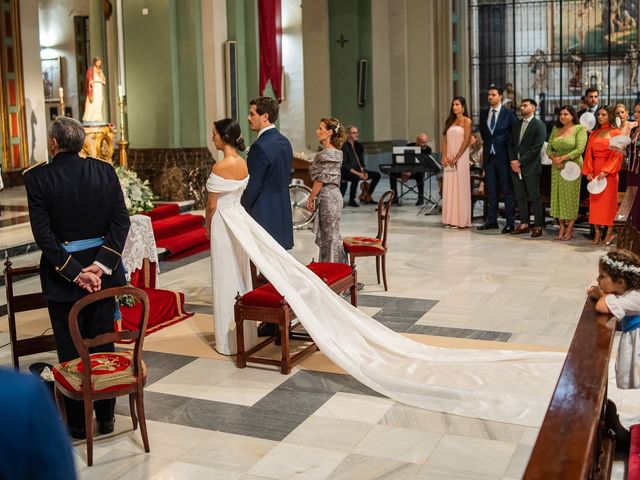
(566, 144)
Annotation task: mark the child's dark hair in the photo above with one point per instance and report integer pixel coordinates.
(622, 264)
(229, 131)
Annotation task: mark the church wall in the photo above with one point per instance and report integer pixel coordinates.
(57, 40)
(32, 76)
(317, 85)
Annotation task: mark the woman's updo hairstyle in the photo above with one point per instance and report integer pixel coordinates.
(338, 135)
(230, 133)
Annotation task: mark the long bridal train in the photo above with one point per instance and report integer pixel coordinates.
(498, 385)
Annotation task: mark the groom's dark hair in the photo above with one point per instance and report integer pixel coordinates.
(266, 105)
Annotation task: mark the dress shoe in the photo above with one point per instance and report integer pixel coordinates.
(266, 329)
(507, 229)
(522, 228)
(77, 433)
(488, 226)
(536, 232)
(420, 202)
(105, 427)
(353, 203)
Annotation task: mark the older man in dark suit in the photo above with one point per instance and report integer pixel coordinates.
(527, 137)
(495, 128)
(80, 222)
(266, 197)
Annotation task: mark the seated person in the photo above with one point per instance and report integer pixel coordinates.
(353, 169)
(421, 141)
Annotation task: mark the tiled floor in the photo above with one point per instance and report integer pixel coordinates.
(457, 288)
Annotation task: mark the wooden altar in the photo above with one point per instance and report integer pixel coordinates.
(300, 166)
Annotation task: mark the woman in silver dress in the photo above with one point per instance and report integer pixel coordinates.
(325, 197)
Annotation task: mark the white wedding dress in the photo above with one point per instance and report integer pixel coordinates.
(498, 385)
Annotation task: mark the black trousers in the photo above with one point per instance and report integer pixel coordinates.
(417, 176)
(528, 187)
(354, 179)
(93, 320)
(496, 178)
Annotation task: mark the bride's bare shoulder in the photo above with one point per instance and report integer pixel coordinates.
(231, 168)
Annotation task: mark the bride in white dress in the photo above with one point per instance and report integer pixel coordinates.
(499, 385)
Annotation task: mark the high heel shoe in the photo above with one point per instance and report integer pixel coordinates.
(567, 236)
(596, 240)
(608, 240)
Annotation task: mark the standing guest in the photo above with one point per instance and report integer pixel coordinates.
(634, 150)
(80, 222)
(566, 144)
(495, 127)
(425, 150)
(475, 160)
(527, 138)
(622, 119)
(456, 191)
(600, 161)
(325, 197)
(353, 167)
(35, 445)
(266, 198)
(591, 97)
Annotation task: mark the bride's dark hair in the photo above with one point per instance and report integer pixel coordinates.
(230, 133)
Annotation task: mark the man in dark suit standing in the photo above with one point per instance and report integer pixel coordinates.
(266, 197)
(495, 129)
(353, 168)
(80, 222)
(527, 138)
(591, 96)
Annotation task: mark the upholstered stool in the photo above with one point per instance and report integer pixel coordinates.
(265, 304)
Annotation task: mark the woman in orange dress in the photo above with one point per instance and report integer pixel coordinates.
(600, 161)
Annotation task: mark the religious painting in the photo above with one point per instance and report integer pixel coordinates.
(593, 28)
(51, 78)
(231, 77)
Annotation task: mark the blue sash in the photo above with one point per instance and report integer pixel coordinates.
(79, 245)
(630, 323)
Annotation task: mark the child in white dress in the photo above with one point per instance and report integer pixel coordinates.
(618, 293)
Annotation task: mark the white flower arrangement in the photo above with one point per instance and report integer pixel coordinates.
(138, 196)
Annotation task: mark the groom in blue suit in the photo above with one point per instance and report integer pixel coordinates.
(495, 128)
(266, 197)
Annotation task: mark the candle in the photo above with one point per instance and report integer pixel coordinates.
(61, 92)
(121, 91)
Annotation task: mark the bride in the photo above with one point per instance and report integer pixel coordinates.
(499, 385)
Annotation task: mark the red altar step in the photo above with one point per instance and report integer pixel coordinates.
(633, 468)
(181, 234)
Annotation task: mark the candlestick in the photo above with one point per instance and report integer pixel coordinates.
(61, 93)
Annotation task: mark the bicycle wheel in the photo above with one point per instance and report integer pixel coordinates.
(299, 195)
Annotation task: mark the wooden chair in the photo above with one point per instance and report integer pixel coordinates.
(24, 303)
(87, 379)
(373, 246)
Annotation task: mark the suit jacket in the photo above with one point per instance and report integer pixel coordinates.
(528, 149)
(266, 197)
(73, 198)
(35, 444)
(352, 159)
(500, 136)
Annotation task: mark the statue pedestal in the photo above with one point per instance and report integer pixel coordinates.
(98, 142)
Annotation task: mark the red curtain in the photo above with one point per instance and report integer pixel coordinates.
(270, 23)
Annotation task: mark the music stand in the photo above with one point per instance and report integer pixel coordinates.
(433, 168)
(406, 156)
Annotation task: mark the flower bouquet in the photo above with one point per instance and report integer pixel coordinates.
(138, 196)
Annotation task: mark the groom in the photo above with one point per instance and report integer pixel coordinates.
(266, 197)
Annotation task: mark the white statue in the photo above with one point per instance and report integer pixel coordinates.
(95, 82)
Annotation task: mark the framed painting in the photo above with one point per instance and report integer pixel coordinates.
(51, 78)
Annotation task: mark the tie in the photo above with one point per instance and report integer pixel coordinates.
(492, 123)
(522, 129)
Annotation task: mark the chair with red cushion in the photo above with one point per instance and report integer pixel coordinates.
(373, 246)
(103, 375)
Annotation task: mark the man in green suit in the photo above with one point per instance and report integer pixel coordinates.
(527, 138)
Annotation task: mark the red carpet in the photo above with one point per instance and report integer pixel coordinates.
(180, 234)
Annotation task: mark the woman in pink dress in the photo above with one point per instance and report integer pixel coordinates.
(456, 189)
(601, 161)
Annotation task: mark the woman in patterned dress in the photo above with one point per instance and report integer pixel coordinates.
(566, 144)
(601, 161)
(325, 197)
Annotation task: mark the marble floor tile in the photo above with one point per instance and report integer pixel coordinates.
(519, 461)
(470, 456)
(402, 444)
(297, 462)
(328, 433)
(373, 468)
(357, 408)
(190, 471)
(118, 464)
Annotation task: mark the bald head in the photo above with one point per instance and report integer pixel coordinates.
(421, 139)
